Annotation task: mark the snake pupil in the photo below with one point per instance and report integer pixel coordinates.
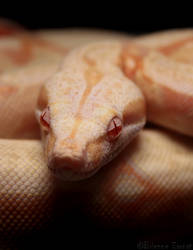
(114, 128)
(45, 118)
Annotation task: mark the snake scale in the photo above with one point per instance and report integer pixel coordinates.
(92, 92)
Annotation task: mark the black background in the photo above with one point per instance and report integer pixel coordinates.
(132, 17)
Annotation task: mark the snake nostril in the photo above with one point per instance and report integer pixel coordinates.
(67, 168)
(45, 118)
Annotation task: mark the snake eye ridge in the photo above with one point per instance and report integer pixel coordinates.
(45, 118)
(114, 128)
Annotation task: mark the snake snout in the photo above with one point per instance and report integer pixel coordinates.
(67, 168)
(68, 163)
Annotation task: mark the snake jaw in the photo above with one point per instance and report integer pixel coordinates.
(72, 160)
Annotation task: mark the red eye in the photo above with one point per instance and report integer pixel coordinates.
(114, 128)
(45, 118)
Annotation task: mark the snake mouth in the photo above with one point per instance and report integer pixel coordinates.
(70, 175)
(66, 168)
(70, 169)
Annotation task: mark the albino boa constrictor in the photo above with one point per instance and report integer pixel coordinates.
(89, 110)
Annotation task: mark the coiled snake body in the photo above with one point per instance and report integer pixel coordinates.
(90, 107)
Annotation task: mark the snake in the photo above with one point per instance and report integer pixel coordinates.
(115, 114)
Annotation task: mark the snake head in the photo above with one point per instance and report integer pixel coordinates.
(88, 114)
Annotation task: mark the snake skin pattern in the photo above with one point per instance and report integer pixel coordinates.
(147, 188)
(151, 179)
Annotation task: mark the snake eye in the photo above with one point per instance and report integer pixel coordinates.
(45, 118)
(114, 128)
